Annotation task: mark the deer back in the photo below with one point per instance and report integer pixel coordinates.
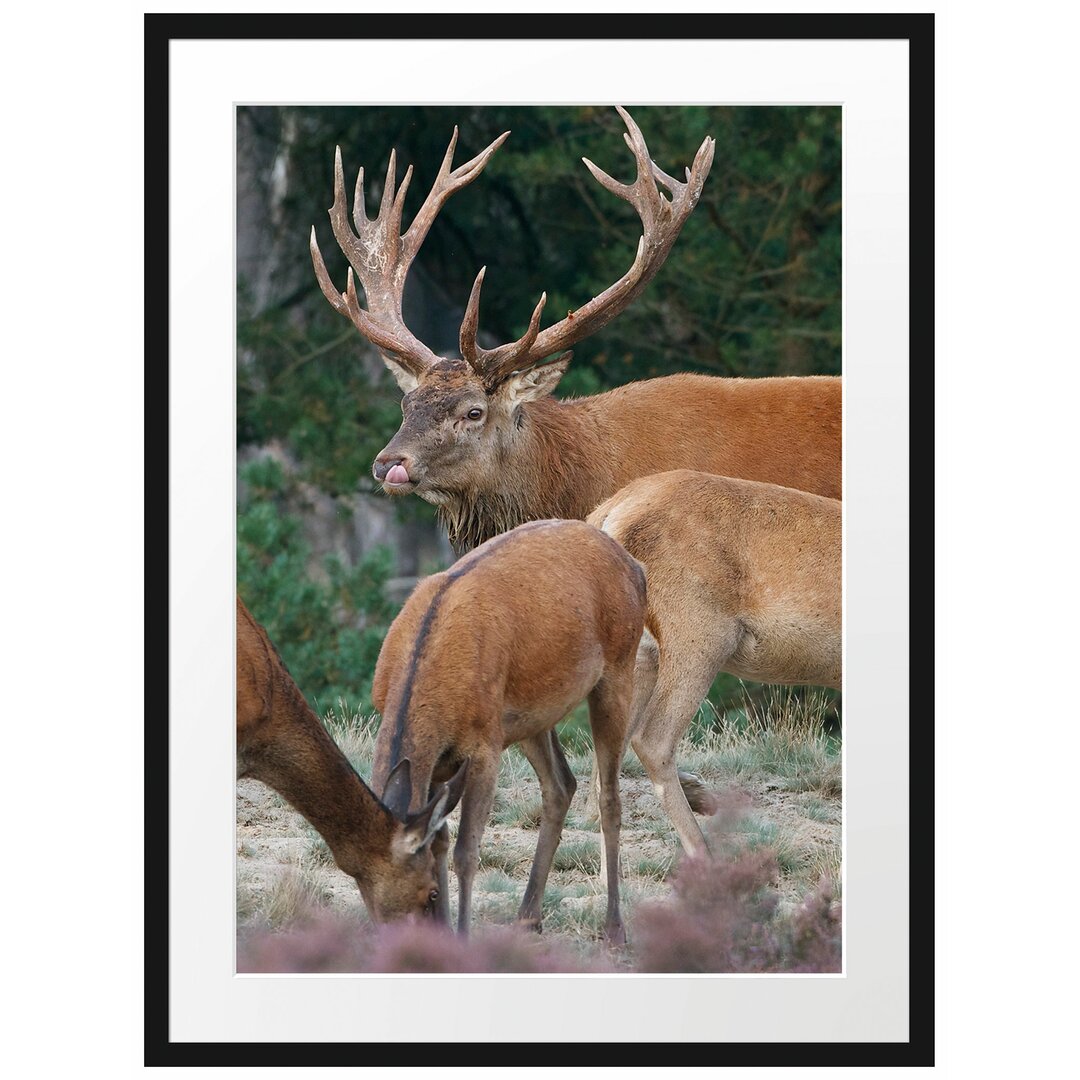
(784, 431)
(766, 558)
(523, 625)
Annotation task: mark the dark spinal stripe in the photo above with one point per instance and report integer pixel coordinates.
(425, 627)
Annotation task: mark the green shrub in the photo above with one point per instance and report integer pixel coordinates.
(329, 629)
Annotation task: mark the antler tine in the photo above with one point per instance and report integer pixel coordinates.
(493, 365)
(380, 255)
(339, 218)
(447, 181)
(373, 252)
(359, 212)
(703, 159)
(399, 201)
(613, 185)
(469, 324)
(391, 177)
(673, 186)
(661, 221)
(323, 277)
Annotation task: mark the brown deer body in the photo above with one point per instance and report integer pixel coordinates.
(482, 440)
(280, 741)
(550, 458)
(497, 650)
(743, 578)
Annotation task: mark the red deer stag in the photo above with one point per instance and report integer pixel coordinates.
(497, 650)
(482, 439)
(280, 741)
(743, 578)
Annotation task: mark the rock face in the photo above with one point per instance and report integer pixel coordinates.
(351, 526)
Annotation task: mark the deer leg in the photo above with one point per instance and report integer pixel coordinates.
(646, 667)
(609, 717)
(679, 692)
(646, 671)
(440, 848)
(476, 806)
(557, 787)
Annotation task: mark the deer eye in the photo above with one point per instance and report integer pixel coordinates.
(475, 413)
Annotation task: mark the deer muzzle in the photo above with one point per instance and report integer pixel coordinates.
(393, 472)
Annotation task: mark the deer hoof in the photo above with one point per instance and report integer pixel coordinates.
(615, 934)
(700, 798)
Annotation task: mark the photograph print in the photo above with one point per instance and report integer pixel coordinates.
(539, 539)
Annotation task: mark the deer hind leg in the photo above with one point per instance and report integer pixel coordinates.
(557, 787)
(440, 848)
(476, 806)
(646, 667)
(609, 717)
(683, 681)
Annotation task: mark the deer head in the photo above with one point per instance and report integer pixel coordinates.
(403, 879)
(461, 418)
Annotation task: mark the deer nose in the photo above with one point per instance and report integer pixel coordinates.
(391, 469)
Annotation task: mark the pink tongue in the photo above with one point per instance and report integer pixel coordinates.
(397, 475)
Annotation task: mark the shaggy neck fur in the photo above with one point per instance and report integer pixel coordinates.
(551, 467)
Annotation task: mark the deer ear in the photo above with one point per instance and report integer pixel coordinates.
(421, 828)
(455, 786)
(537, 382)
(403, 378)
(397, 794)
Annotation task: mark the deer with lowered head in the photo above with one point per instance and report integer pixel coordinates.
(497, 650)
(482, 438)
(744, 578)
(280, 741)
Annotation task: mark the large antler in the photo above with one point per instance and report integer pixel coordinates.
(381, 255)
(662, 219)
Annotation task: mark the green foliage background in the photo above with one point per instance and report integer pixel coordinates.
(751, 288)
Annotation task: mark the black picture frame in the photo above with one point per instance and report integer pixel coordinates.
(918, 31)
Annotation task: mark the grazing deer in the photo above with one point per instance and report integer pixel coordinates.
(280, 741)
(743, 578)
(497, 650)
(482, 439)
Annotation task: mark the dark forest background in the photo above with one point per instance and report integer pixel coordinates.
(752, 287)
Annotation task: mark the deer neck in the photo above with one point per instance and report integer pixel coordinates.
(552, 464)
(306, 766)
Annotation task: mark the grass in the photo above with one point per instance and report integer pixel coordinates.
(824, 865)
(653, 868)
(510, 859)
(495, 881)
(294, 895)
(355, 733)
(762, 833)
(817, 809)
(783, 737)
(581, 856)
(779, 748)
(577, 916)
(517, 807)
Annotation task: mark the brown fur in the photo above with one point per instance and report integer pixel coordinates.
(280, 741)
(497, 650)
(531, 456)
(744, 578)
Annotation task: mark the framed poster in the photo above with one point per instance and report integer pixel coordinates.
(208, 77)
